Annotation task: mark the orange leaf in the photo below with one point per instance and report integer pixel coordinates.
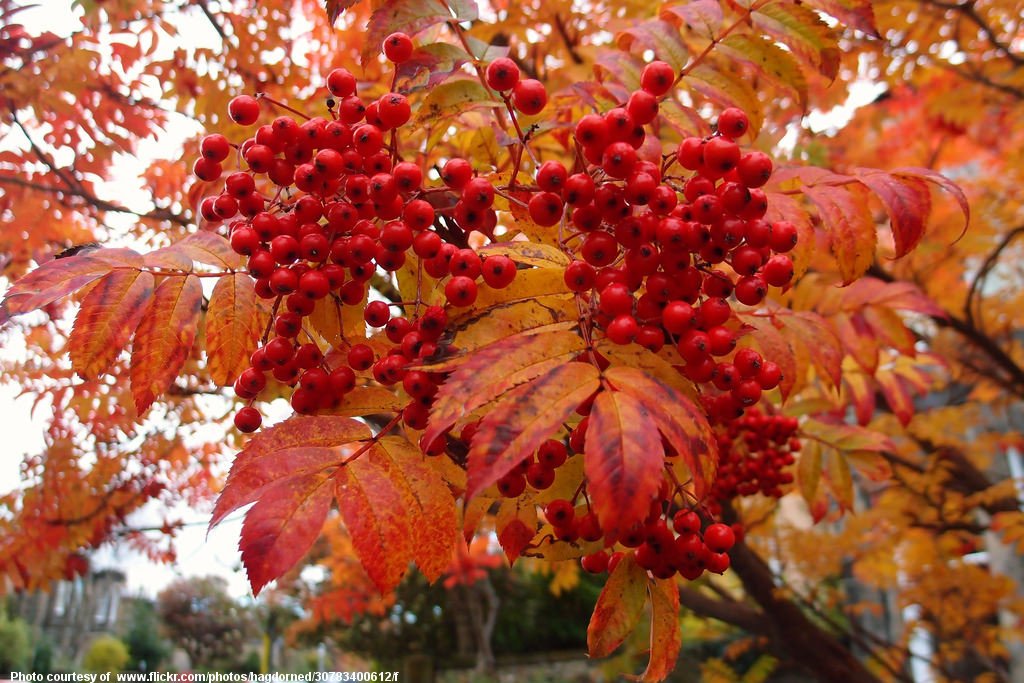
(109, 314)
(857, 339)
(666, 638)
(683, 424)
(208, 248)
(164, 338)
(495, 369)
(845, 437)
(816, 335)
(623, 461)
(375, 510)
(520, 423)
(809, 471)
(435, 525)
(298, 446)
(618, 608)
(850, 226)
(60, 277)
(232, 327)
(282, 526)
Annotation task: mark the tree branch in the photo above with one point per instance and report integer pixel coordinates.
(733, 613)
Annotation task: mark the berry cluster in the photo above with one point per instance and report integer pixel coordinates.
(657, 267)
(682, 547)
(320, 207)
(661, 251)
(754, 452)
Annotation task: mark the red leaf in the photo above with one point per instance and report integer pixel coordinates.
(109, 314)
(376, 514)
(495, 369)
(683, 424)
(60, 277)
(520, 423)
(514, 538)
(666, 638)
(336, 7)
(908, 202)
(282, 526)
(903, 296)
(232, 327)
(857, 14)
(435, 523)
(298, 446)
(623, 460)
(941, 181)
(164, 338)
(618, 608)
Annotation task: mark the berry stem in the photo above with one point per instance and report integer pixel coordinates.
(374, 439)
(282, 105)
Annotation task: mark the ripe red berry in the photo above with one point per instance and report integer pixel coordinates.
(393, 110)
(248, 419)
(733, 122)
(540, 476)
(529, 96)
(398, 47)
(595, 563)
(618, 159)
(215, 147)
(560, 512)
(244, 110)
(341, 83)
(552, 453)
(719, 538)
(502, 74)
(778, 272)
(456, 173)
(498, 271)
(545, 208)
(460, 291)
(657, 78)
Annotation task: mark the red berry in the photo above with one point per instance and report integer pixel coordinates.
(657, 78)
(456, 173)
(719, 538)
(248, 419)
(529, 96)
(560, 512)
(778, 272)
(733, 122)
(460, 291)
(596, 563)
(398, 47)
(244, 110)
(545, 208)
(502, 74)
(341, 83)
(499, 271)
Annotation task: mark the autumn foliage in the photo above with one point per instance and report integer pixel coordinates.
(584, 296)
